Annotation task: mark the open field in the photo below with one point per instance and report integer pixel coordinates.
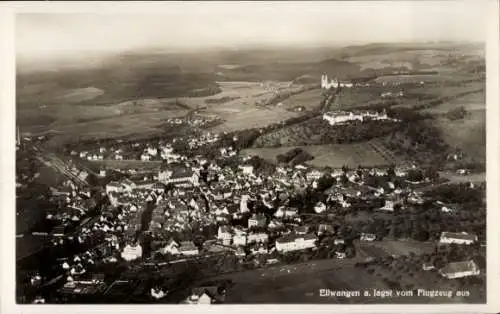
(468, 134)
(112, 127)
(411, 56)
(415, 79)
(309, 100)
(471, 102)
(388, 247)
(334, 155)
(246, 105)
(300, 283)
(243, 107)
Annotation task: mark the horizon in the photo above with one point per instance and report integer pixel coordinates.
(233, 26)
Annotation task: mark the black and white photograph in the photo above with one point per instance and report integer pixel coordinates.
(329, 152)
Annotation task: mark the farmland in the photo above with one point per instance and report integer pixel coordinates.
(468, 134)
(334, 155)
(241, 105)
(310, 100)
(471, 102)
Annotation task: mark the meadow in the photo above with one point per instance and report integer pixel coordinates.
(334, 155)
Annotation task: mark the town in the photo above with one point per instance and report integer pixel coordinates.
(230, 213)
(312, 154)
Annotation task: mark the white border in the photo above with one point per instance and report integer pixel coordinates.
(7, 178)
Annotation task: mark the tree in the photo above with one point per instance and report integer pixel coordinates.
(325, 182)
(456, 113)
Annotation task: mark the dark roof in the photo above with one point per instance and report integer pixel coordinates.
(293, 237)
(456, 267)
(181, 173)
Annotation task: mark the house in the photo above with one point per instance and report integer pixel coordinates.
(158, 293)
(325, 229)
(179, 175)
(246, 169)
(128, 185)
(224, 234)
(188, 248)
(145, 157)
(113, 187)
(258, 237)
(319, 207)
(172, 247)
(340, 255)
(313, 175)
(295, 242)
(152, 151)
(428, 266)
(244, 204)
(240, 239)
(341, 117)
(302, 230)
(257, 220)
(445, 209)
(274, 224)
(457, 238)
(280, 212)
(206, 295)
(159, 187)
(368, 237)
(291, 212)
(388, 206)
(338, 241)
(131, 252)
(240, 252)
(460, 270)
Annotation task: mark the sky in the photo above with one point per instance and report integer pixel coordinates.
(179, 26)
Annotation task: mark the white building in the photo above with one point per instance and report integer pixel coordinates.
(178, 175)
(257, 220)
(113, 187)
(247, 169)
(457, 238)
(319, 207)
(172, 247)
(313, 175)
(368, 237)
(131, 253)
(224, 234)
(340, 117)
(240, 239)
(334, 118)
(293, 242)
(258, 237)
(244, 203)
(188, 248)
(328, 84)
(152, 151)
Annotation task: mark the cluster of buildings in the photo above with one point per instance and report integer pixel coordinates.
(235, 206)
(333, 83)
(342, 117)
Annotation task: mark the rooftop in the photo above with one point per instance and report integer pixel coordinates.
(459, 235)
